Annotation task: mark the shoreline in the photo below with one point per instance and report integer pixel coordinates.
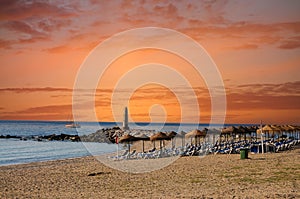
(273, 175)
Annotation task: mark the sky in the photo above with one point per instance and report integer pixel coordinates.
(254, 44)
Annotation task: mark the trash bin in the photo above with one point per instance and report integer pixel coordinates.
(244, 153)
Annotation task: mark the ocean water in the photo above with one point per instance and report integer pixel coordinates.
(15, 151)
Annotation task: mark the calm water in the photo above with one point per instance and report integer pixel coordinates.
(14, 151)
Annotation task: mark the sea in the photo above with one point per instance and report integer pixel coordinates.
(17, 151)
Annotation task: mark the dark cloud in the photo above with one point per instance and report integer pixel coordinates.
(27, 22)
(18, 10)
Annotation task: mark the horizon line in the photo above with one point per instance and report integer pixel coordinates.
(141, 122)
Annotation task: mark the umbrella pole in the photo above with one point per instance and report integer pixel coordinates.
(128, 150)
(143, 147)
(262, 138)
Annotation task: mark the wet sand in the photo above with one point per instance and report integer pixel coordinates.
(274, 175)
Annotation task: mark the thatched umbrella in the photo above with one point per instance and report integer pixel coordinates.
(267, 129)
(127, 138)
(214, 132)
(171, 136)
(142, 137)
(252, 129)
(205, 130)
(182, 135)
(294, 129)
(229, 131)
(159, 136)
(278, 130)
(242, 131)
(195, 134)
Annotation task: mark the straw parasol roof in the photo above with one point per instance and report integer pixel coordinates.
(181, 134)
(171, 134)
(267, 128)
(213, 131)
(127, 138)
(294, 128)
(230, 130)
(252, 129)
(285, 128)
(195, 133)
(142, 137)
(241, 130)
(276, 128)
(159, 136)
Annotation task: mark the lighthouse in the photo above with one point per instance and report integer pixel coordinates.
(125, 121)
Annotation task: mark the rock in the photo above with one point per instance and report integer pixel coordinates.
(103, 135)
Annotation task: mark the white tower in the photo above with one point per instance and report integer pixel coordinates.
(125, 121)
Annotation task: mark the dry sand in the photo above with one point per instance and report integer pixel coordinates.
(214, 176)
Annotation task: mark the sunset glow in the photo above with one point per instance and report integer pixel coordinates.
(254, 44)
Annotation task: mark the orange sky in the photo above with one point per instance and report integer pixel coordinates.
(255, 45)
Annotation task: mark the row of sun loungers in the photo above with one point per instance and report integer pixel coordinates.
(207, 148)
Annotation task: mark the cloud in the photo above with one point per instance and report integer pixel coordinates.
(243, 100)
(29, 90)
(52, 24)
(50, 112)
(291, 43)
(58, 49)
(287, 88)
(201, 20)
(22, 27)
(264, 96)
(249, 35)
(27, 22)
(18, 10)
(245, 47)
(5, 44)
(47, 109)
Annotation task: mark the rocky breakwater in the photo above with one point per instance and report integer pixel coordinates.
(103, 135)
(107, 135)
(62, 137)
(53, 137)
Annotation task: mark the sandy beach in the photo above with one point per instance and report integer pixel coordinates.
(273, 175)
